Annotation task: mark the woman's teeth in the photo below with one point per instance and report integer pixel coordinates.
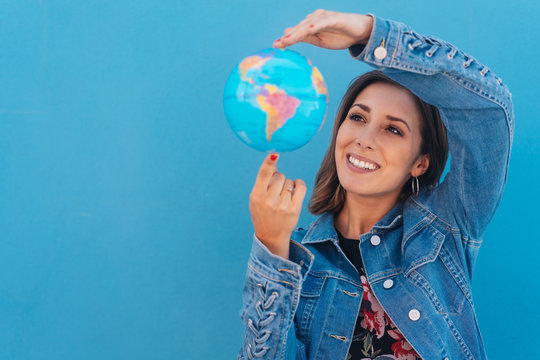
(362, 164)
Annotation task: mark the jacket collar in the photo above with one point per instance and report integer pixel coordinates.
(323, 228)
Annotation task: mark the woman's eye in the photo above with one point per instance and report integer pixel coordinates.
(394, 130)
(357, 117)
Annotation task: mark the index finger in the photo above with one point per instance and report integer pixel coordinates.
(267, 169)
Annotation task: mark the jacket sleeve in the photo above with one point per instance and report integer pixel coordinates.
(475, 107)
(270, 299)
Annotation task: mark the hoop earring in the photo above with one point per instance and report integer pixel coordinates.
(415, 185)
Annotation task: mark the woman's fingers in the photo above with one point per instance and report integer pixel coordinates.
(305, 30)
(275, 204)
(288, 188)
(299, 193)
(275, 185)
(266, 171)
(328, 29)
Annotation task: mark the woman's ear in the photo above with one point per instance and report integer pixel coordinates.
(420, 165)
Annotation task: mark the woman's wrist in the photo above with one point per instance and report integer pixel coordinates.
(278, 247)
(364, 38)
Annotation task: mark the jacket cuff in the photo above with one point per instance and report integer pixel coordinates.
(383, 41)
(274, 266)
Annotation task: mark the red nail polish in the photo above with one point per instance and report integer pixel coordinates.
(311, 25)
(273, 157)
(288, 36)
(278, 40)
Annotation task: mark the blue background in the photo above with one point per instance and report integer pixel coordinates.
(124, 223)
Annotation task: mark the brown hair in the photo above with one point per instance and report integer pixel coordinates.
(329, 195)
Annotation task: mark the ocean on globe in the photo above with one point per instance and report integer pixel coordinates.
(275, 100)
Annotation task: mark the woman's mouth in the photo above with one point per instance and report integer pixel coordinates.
(363, 164)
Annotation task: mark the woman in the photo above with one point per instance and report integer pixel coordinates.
(385, 272)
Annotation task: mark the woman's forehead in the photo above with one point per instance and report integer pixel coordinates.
(388, 100)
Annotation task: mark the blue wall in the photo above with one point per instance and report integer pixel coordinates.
(124, 223)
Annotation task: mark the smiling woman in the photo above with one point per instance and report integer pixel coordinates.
(385, 272)
(429, 135)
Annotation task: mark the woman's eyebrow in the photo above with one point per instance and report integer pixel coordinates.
(393, 118)
(389, 117)
(363, 107)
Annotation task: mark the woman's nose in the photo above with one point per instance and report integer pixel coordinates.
(367, 138)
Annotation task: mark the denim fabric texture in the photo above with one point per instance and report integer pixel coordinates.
(306, 307)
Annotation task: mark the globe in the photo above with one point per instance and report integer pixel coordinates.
(275, 100)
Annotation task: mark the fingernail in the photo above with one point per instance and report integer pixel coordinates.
(288, 36)
(278, 40)
(273, 157)
(311, 25)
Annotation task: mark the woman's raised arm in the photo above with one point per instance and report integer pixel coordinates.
(474, 104)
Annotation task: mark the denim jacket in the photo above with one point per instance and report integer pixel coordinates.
(423, 250)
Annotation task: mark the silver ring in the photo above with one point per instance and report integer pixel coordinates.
(289, 189)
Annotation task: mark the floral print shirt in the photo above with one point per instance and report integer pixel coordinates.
(375, 335)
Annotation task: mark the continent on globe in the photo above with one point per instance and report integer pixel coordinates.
(275, 100)
(318, 82)
(279, 107)
(249, 63)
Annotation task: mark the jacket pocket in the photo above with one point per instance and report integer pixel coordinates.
(309, 297)
(443, 283)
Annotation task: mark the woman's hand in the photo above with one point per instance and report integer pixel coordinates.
(329, 30)
(275, 204)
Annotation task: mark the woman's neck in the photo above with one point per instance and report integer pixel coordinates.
(359, 214)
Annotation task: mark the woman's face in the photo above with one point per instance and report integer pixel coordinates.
(378, 143)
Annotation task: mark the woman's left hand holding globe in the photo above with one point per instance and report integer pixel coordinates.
(329, 30)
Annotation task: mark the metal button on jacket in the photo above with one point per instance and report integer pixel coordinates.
(375, 240)
(380, 53)
(414, 314)
(388, 283)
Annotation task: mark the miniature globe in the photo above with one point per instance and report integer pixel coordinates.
(275, 100)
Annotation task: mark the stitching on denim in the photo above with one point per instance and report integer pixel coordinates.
(464, 239)
(472, 243)
(485, 95)
(377, 229)
(314, 282)
(307, 315)
(383, 275)
(422, 283)
(417, 277)
(396, 46)
(300, 246)
(311, 229)
(427, 220)
(439, 220)
(466, 84)
(437, 245)
(496, 100)
(416, 305)
(457, 274)
(336, 276)
(294, 273)
(258, 348)
(252, 268)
